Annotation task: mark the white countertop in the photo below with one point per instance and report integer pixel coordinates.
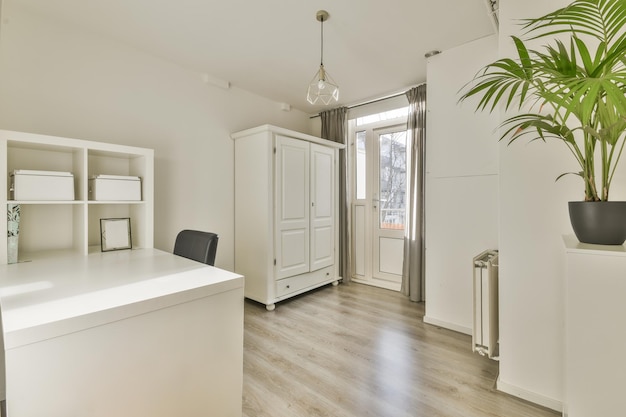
(64, 292)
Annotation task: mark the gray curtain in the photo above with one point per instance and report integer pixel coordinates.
(334, 128)
(413, 267)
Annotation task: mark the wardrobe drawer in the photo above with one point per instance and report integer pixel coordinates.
(306, 281)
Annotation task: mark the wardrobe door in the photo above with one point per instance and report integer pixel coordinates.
(322, 206)
(292, 207)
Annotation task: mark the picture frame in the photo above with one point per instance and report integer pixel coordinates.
(115, 234)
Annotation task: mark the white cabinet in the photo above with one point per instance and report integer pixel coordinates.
(74, 224)
(595, 340)
(285, 212)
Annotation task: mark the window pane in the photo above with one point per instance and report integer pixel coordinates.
(360, 166)
(392, 179)
(391, 114)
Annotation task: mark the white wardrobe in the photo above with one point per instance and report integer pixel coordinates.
(285, 212)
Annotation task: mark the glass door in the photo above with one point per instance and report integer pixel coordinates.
(378, 167)
(388, 203)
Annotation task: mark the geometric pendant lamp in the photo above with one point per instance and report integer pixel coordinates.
(322, 87)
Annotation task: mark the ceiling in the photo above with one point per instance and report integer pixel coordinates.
(372, 48)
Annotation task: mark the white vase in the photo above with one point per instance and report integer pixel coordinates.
(13, 230)
(12, 249)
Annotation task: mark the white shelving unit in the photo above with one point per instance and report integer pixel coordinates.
(74, 225)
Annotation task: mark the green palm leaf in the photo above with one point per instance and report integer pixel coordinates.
(602, 19)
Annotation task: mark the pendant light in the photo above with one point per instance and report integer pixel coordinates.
(322, 87)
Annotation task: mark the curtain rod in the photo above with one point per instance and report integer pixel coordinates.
(376, 100)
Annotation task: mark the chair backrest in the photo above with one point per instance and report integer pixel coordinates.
(197, 245)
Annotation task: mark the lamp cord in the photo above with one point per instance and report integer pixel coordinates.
(322, 43)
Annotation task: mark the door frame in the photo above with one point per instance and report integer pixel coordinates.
(364, 217)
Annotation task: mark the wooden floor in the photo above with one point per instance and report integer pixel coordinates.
(355, 350)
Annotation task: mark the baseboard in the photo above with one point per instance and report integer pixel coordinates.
(533, 397)
(388, 285)
(447, 325)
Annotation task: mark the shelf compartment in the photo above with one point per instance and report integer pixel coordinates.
(122, 164)
(136, 212)
(22, 156)
(45, 227)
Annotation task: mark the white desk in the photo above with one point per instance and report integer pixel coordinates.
(127, 333)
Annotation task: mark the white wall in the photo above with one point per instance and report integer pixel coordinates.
(461, 184)
(534, 217)
(533, 212)
(61, 80)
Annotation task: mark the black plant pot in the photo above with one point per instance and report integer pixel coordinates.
(599, 222)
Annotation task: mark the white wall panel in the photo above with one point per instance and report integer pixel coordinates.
(391, 255)
(461, 185)
(460, 141)
(462, 221)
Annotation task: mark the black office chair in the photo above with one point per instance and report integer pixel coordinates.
(196, 245)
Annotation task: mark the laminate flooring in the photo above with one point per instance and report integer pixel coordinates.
(355, 350)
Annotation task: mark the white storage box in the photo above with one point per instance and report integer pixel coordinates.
(114, 188)
(41, 185)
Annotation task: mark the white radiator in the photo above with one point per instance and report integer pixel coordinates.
(485, 332)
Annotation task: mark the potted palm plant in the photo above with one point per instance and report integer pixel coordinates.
(574, 90)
